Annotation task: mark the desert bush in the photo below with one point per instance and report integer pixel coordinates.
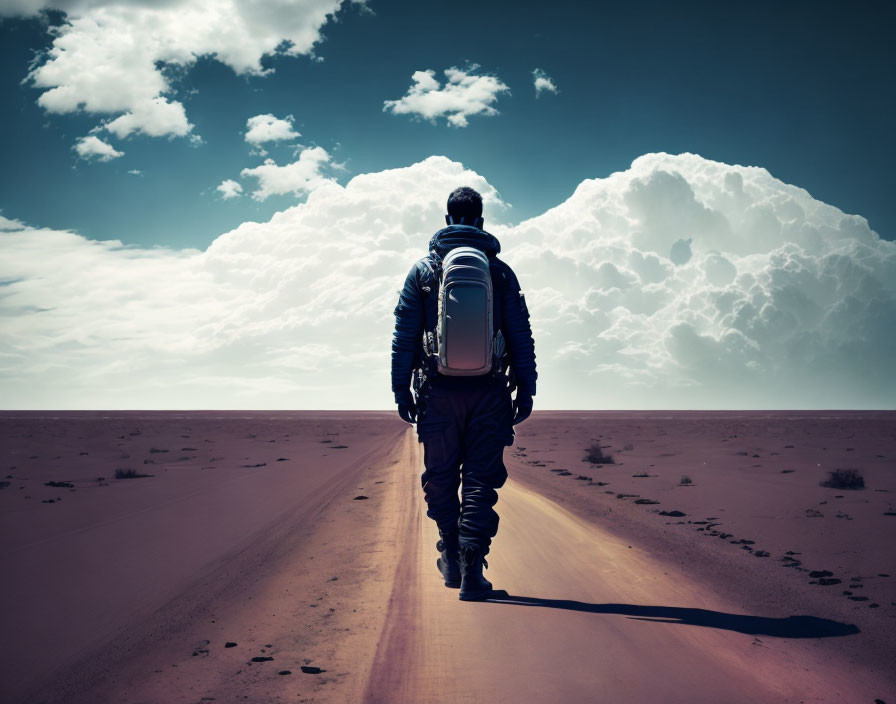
(129, 474)
(595, 455)
(685, 480)
(844, 479)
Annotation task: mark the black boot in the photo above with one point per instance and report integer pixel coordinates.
(473, 585)
(447, 562)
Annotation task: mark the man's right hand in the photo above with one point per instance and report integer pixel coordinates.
(407, 409)
(522, 406)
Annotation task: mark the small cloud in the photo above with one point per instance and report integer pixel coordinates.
(301, 176)
(7, 224)
(92, 147)
(543, 82)
(463, 94)
(135, 172)
(267, 128)
(228, 188)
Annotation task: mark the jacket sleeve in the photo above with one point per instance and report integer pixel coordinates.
(518, 334)
(407, 340)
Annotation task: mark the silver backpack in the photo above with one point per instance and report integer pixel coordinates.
(464, 333)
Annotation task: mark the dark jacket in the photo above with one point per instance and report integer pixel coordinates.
(417, 308)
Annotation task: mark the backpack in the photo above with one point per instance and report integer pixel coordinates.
(465, 337)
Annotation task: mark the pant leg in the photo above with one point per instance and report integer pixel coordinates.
(440, 431)
(489, 429)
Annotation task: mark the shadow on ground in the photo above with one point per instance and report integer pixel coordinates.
(789, 627)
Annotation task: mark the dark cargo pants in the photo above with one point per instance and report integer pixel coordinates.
(465, 424)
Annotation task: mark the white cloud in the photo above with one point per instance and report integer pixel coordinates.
(92, 147)
(299, 177)
(783, 302)
(267, 128)
(543, 82)
(7, 224)
(106, 57)
(228, 188)
(135, 172)
(463, 94)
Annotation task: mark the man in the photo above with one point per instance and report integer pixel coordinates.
(464, 422)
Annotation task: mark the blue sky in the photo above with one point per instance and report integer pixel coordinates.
(802, 89)
(213, 203)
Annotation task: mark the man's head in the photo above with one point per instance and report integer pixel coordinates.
(464, 207)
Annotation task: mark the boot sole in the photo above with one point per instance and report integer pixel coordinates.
(452, 584)
(475, 596)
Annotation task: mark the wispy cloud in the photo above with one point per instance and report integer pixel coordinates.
(463, 94)
(543, 82)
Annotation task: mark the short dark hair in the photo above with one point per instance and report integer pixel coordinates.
(465, 203)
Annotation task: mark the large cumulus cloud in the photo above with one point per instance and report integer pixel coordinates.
(678, 283)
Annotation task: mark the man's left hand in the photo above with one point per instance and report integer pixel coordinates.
(407, 409)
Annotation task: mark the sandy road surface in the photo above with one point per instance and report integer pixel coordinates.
(351, 587)
(588, 618)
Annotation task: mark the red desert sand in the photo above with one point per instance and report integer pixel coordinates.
(274, 556)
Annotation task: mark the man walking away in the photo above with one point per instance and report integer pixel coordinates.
(463, 341)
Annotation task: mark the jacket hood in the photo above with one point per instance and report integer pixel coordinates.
(453, 236)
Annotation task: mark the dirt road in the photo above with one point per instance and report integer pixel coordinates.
(339, 600)
(588, 618)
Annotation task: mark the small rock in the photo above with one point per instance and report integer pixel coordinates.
(311, 670)
(360, 497)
